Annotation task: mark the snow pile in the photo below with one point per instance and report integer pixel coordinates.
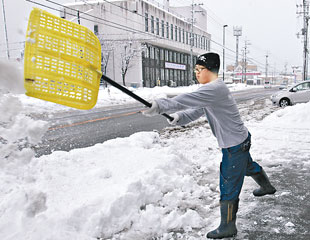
(283, 134)
(18, 133)
(138, 183)
(11, 77)
(298, 115)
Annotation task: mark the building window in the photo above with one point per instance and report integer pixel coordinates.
(170, 56)
(157, 26)
(176, 33)
(166, 75)
(157, 57)
(162, 28)
(180, 37)
(147, 52)
(175, 77)
(162, 76)
(186, 37)
(151, 53)
(171, 75)
(146, 22)
(171, 30)
(96, 29)
(202, 42)
(167, 30)
(183, 36)
(152, 24)
(162, 56)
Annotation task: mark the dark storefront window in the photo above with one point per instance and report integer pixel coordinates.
(154, 69)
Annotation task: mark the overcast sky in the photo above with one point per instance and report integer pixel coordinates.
(269, 25)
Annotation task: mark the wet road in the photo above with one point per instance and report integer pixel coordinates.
(79, 129)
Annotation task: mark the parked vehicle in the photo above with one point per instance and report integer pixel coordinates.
(283, 86)
(267, 85)
(299, 93)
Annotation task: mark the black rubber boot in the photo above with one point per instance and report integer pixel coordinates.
(227, 226)
(265, 186)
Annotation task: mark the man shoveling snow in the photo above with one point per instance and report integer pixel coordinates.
(215, 101)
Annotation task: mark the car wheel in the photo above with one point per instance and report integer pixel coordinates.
(284, 102)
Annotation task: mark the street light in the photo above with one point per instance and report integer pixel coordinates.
(6, 31)
(224, 26)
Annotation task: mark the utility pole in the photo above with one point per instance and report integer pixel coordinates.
(246, 43)
(192, 36)
(78, 17)
(294, 72)
(285, 68)
(6, 31)
(192, 42)
(305, 12)
(242, 66)
(266, 69)
(237, 34)
(224, 26)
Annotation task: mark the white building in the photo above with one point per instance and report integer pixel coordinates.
(150, 43)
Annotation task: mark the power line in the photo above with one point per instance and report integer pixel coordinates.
(116, 25)
(105, 20)
(122, 27)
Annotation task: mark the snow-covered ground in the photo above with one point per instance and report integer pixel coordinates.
(145, 186)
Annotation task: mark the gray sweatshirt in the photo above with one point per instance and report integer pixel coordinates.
(216, 102)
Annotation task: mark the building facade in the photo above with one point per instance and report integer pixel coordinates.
(145, 43)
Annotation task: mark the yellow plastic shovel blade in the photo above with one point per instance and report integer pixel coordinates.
(62, 61)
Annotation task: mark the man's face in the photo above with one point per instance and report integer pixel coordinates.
(202, 74)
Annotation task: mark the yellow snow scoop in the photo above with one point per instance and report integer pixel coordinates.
(62, 61)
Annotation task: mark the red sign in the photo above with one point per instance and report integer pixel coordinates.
(248, 73)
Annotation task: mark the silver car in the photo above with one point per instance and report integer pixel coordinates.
(299, 93)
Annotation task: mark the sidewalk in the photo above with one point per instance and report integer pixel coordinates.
(286, 215)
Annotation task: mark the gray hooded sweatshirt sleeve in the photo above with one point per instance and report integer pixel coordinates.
(215, 101)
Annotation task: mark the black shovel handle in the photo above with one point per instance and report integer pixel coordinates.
(131, 94)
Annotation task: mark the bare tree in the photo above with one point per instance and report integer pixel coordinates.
(126, 57)
(107, 47)
(129, 52)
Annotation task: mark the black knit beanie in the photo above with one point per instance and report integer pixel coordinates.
(209, 60)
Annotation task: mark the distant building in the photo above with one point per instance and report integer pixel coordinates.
(153, 40)
(248, 74)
